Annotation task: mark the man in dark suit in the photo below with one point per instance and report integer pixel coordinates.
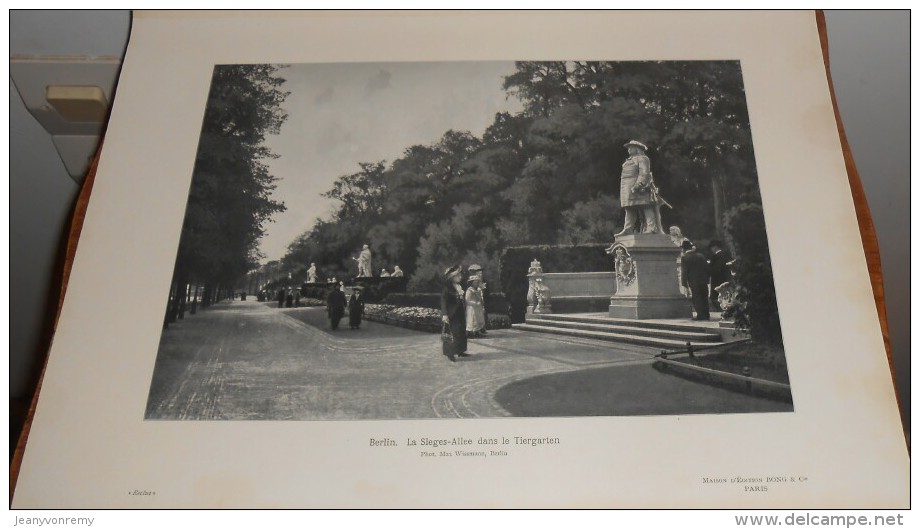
(695, 273)
(355, 308)
(335, 305)
(718, 270)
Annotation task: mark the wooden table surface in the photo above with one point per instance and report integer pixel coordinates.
(864, 217)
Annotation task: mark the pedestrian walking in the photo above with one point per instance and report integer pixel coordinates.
(355, 308)
(453, 315)
(335, 306)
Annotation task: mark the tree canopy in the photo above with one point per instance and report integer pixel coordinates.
(549, 174)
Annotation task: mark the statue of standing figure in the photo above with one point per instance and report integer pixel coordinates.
(533, 273)
(677, 237)
(364, 262)
(638, 193)
(311, 274)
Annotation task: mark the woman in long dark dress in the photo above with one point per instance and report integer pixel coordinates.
(355, 308)
(453, 314)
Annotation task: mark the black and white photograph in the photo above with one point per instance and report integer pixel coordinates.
(425, 240)
(469, 259)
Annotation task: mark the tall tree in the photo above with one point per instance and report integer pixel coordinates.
(230, 195)
(550, 174)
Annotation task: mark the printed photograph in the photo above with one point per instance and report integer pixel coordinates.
(378, 241)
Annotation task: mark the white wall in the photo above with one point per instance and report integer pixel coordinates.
(870, 64)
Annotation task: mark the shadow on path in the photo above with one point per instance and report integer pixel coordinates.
(623, 390)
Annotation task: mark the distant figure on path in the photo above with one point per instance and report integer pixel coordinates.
(355, 308)
(453, 313)
(280, 298)
(695, 272)
(638, 193)
(335, 306)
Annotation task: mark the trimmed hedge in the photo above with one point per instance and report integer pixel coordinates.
(316, 290)
(756, 311)
(497, 321)
(377, 288)
(429, 300)
(515, 261)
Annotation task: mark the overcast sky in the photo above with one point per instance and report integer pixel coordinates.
(342, 114)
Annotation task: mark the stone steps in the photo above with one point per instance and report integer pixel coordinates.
(666, 335)
(640, 324)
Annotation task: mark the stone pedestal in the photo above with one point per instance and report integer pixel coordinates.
(646, 277)
(580, 291)
(538, 294)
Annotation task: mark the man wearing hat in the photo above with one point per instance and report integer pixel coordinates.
(453, 314)
(335, 306)
(695, 274)
(355, 308)
(638, 194)
(477, 323)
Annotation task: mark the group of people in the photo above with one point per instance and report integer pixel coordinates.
(289, 297)
(703, 277)
(336, 305)
(463, 313)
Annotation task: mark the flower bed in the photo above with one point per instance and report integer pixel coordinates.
(498, 321)
(311, 302)
(415, 318)
(420, 318)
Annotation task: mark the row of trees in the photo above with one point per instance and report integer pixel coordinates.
(230, 197)
(549, 174)
(546, 175)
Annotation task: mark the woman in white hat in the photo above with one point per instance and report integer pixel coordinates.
(475, 312)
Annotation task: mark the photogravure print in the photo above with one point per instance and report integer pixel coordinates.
(472, 239)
